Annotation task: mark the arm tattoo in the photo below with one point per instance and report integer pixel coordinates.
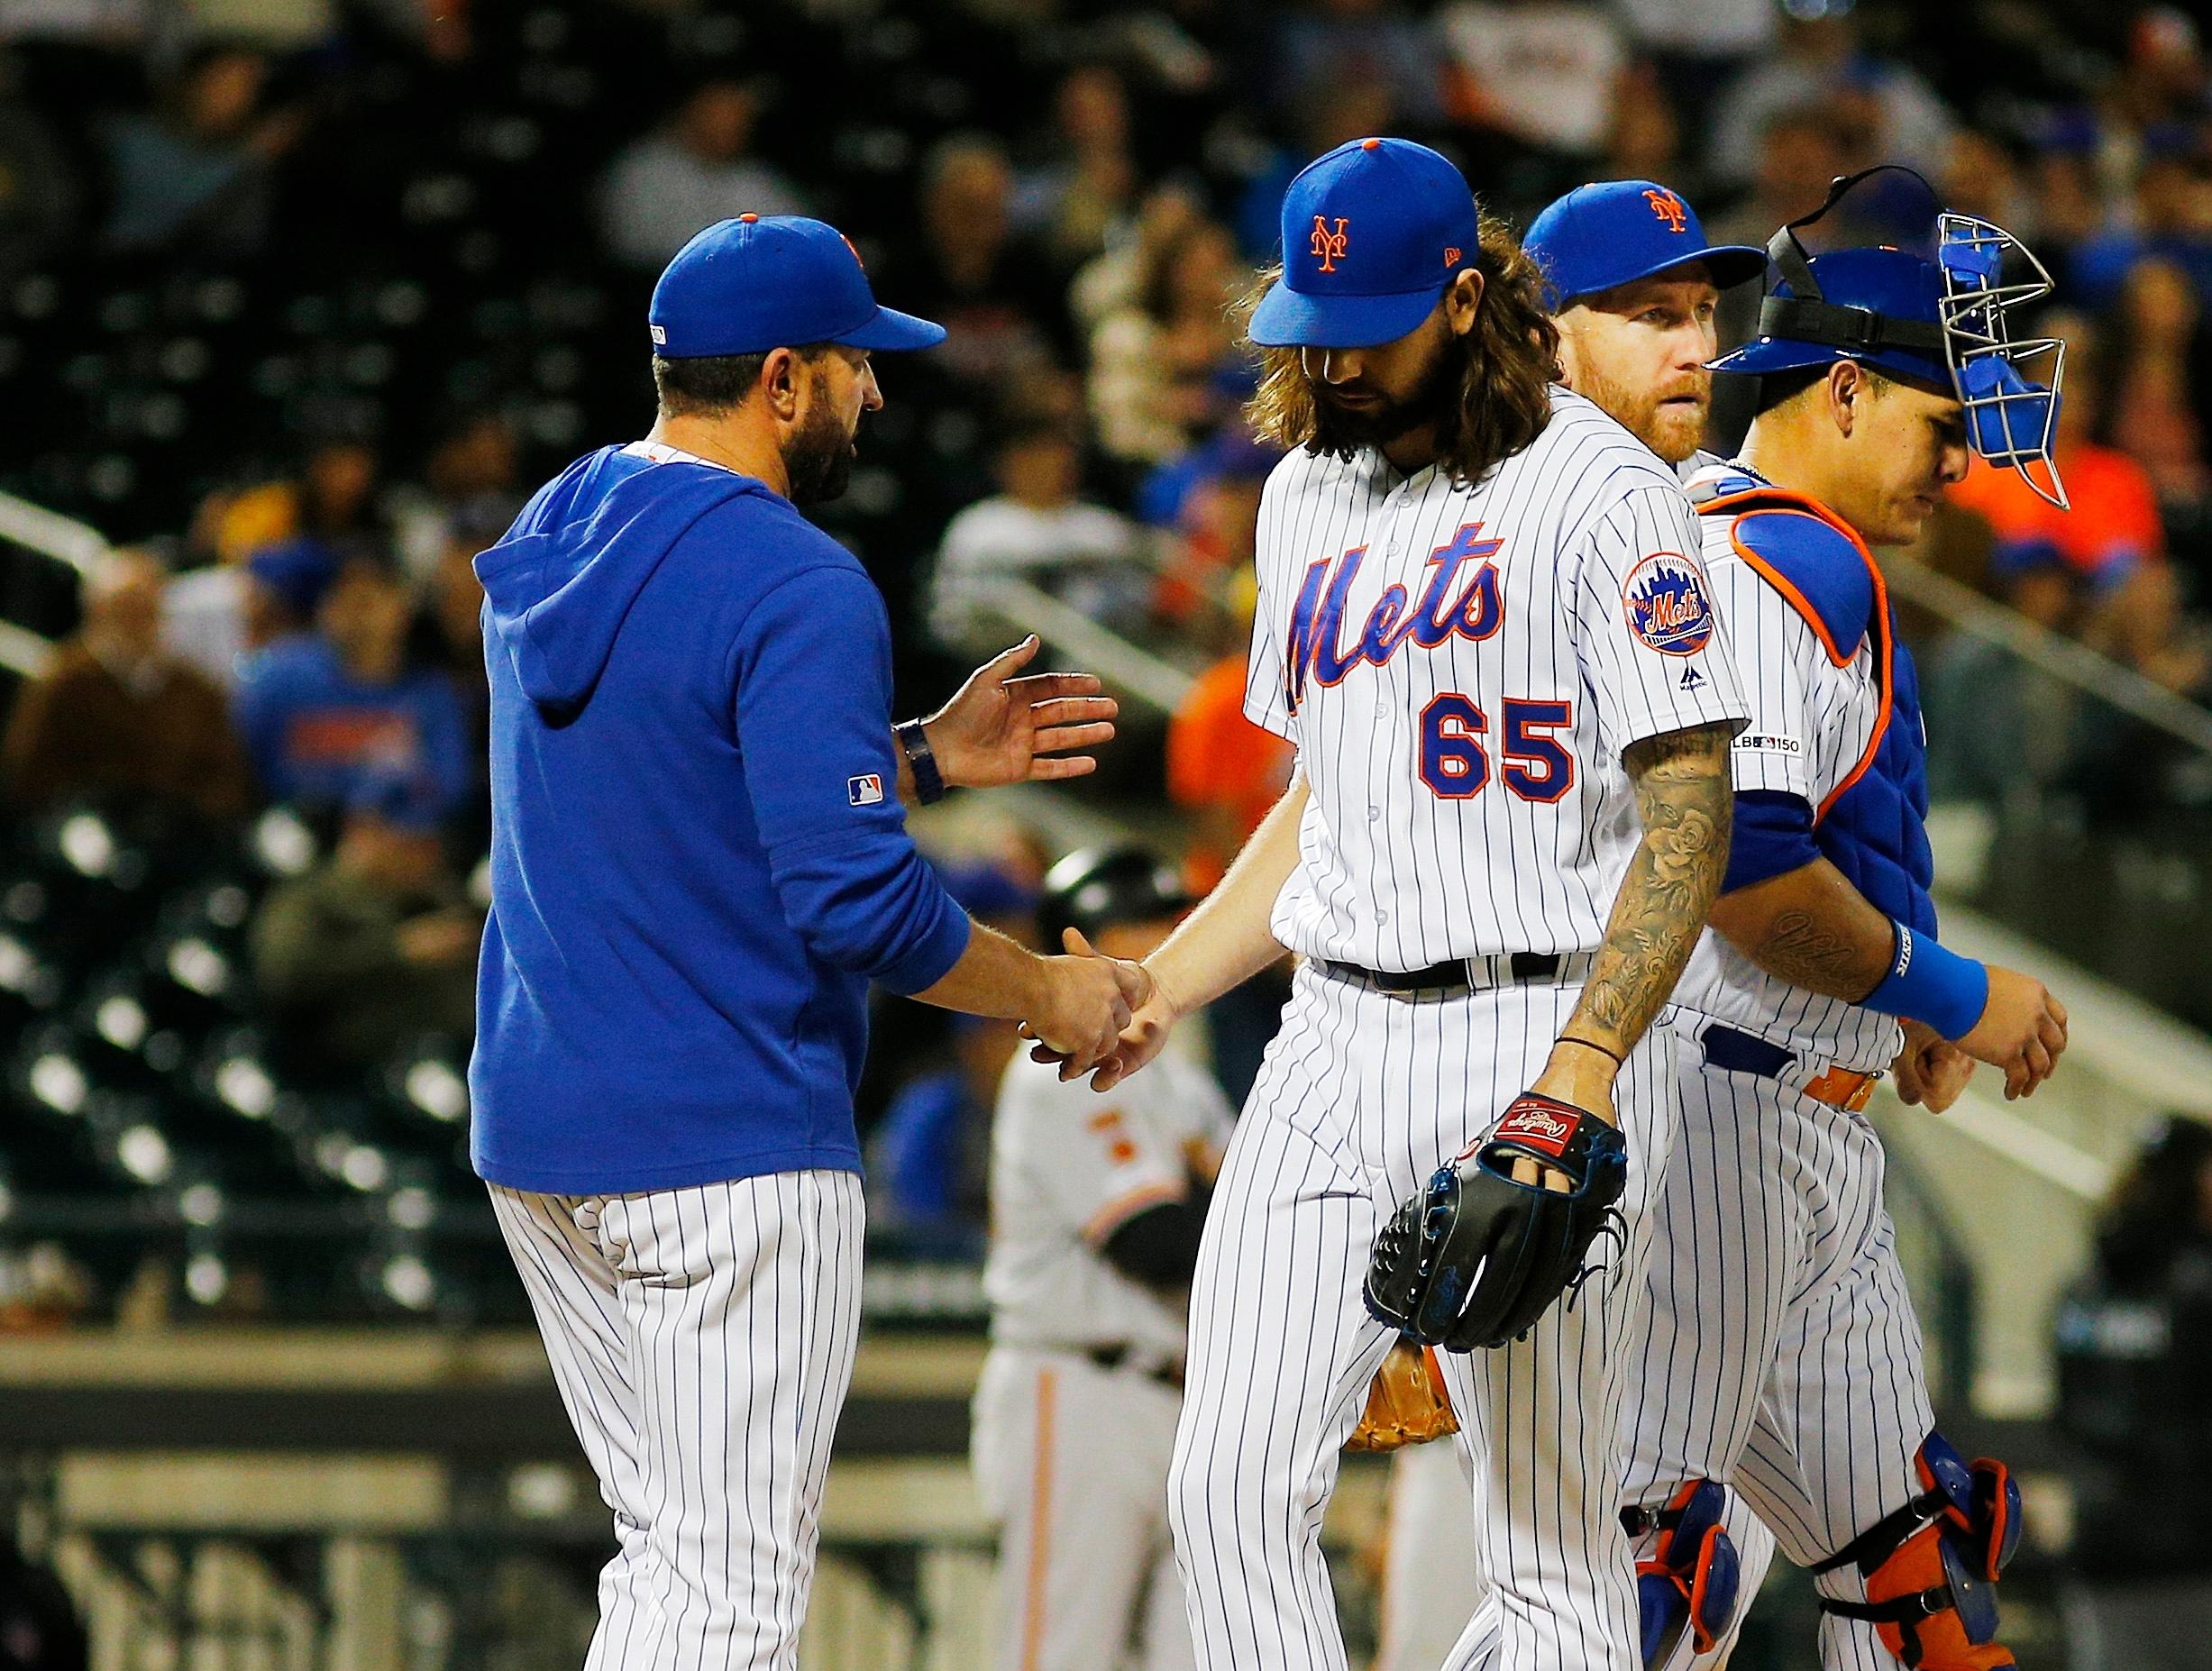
(1798, 950)
(1686, 803)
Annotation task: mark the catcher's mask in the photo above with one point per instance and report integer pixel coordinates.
(1942, 322)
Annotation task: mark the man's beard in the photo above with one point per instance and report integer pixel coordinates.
(1436, 401)
(1673, 432)
(818, 458)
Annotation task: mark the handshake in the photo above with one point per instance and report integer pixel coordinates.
(1084, 1001)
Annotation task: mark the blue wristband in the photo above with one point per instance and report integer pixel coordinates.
(1928, 983)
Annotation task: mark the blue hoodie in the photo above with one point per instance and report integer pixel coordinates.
(698, 859)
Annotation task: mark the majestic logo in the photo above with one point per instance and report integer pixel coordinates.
(1327, 245)
(1665, 605)
(865, 791)
(1474, 610)
(1538, 1128)
(1669, 208)
(1691, 679)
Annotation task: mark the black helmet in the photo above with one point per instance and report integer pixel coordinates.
(1094, 888)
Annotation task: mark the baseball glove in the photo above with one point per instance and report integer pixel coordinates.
(1406, 1403)
(1477, 1258)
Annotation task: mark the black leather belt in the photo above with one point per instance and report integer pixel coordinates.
(1114, 1357)
(1462, 973)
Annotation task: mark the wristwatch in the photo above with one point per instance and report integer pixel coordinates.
(929, 781)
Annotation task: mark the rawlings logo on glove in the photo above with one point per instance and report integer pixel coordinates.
(1479, 1256)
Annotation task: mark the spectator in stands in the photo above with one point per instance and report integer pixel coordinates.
(1540, 73)
(2114, 528)
(1164, 368)
(210, 616)
(116, 717)
(325, 713)
(1037, 528)
(470, 483)
(1223, 770)
(1001, 304)
(2171, 220)
(2135, 1348)
(1643, 139)
(1086, 188)
(2157, 417)
(1321, 42)
(1824, 63)
(196, 171)
(378, 945)
(216, 617)
(695, 169)
(1210, 502)
(338, 487)
(1799, 150)
(1356, 102)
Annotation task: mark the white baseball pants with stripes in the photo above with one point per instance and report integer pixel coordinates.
(702, 1340)
(1361, 1098)
(1071, 1460)
(1780, 1352)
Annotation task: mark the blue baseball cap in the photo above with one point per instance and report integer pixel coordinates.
(1372, 234)
(1615, 232)
(765, 281)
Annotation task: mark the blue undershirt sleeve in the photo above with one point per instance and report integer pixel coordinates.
(812, 705)
(1773, 836)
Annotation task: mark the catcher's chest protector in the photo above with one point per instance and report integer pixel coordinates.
(1873, 830)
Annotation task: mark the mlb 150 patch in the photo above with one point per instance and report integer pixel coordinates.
(1665, 604)
(865, 791)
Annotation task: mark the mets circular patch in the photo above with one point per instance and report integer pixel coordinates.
(1666, 606)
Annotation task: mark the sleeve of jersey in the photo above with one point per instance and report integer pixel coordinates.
(812, 697)
(1653, 648)
(1266, 701)
(1774, 652)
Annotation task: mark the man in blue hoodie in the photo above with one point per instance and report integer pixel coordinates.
(699, 861)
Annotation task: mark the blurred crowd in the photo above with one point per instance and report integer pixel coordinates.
(298, 301)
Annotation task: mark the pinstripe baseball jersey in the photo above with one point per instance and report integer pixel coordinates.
(1461, 666)
(1813, 724)
(1068, 1169)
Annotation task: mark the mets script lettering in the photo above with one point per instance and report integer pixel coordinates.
(1446, 608)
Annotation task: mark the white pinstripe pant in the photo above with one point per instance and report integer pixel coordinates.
(702, 1340)
(1362, 1096)
(1780, 1352)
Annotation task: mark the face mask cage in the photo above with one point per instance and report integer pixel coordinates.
(2011, 418)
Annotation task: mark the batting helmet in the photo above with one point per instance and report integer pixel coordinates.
(1096, 887)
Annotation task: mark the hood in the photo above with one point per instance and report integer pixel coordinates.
(560, 583)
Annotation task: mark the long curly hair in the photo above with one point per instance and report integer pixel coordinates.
(1510, 360)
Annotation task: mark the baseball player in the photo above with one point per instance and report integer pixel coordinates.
(1095, 1213)
(1779, 1353)
(698, 863)
(1633, 286)
(1483, 621)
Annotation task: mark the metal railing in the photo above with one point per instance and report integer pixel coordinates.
(46, 537)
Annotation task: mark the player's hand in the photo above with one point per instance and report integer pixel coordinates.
(1931, 1070)
(998, 729)
(1088, 1001)
(1143, 1039)
(1582, 1078)
(2022, 1030)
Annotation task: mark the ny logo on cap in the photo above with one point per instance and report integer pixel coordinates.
(1327, 245)
(1668, 207)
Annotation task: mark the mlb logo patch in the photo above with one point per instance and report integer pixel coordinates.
(1665, 605)
(865, 791)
